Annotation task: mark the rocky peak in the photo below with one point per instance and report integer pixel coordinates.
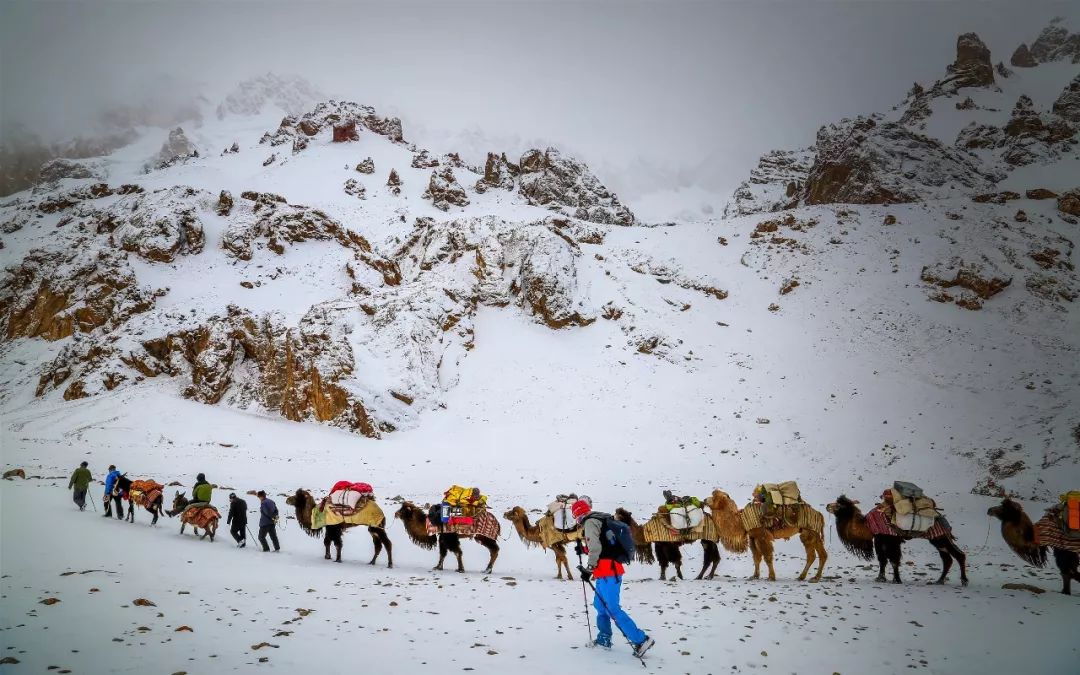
(298, 130)
(1056, 43)
(175, 150)
(498, 173)
(546, 178)
(1022, 57)
(443, 190)
(1068, 104)
(972, 67)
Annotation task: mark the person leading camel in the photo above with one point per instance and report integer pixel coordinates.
(110, 497)
(80, 483)
(605, 553)
(237, 518)
(268, 517)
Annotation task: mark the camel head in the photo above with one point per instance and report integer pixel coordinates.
(843, 507)
(720, 501)
(409, 511)
(515, 515)
(299, 497)
(624, 516)
(1007, 511)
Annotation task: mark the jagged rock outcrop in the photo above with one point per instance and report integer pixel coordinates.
(55, 294)
(394, 182)
(1068, 104)
(262, 221)
(972, 67)
(298, 130)
(424, 160)
(225, 203)
(1022, 57)
(355, 188)
(60, 168)
(776, 183)
(157, 226)
(176, 150)
(499, 172)
(982, 279)
(444, 191)
(546, 178)
(1031, 136)
(1069, 202)
(867, 161)
(367, 166)
(1056, 43)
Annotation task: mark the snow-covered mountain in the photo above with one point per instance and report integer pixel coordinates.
(291, 290)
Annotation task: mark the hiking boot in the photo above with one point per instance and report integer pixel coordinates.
(601, 643)
(241, 544)
(643, 646)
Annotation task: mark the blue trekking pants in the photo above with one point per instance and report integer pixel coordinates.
(607, 607)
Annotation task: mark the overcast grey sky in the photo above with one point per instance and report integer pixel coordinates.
(630, 86)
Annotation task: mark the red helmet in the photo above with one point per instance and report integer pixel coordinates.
(580, 509)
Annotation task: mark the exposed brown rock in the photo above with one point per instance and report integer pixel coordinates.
(444, 191)
(996, 197)
(546, 178)
(355, 188)
(1040, 193)
(972, 67)
(1067, 104)
(14, 473)
(225, 203)
(1069, 202)
(366, 166)
(971, 276)
(424, 160)
(1021, 216)
(498, 173)
(1022, 57)
(890, 219)
(394, 182)
(346, 132)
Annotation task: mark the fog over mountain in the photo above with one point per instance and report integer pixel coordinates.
(652, 95)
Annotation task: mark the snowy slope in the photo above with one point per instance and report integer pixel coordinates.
(527, 343)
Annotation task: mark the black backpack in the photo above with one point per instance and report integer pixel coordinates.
(616, 540)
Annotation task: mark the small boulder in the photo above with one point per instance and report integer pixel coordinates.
(1040, 193)
(1070, 202)
(1021, 216)
(14, 473)
(890, 219)
(367, 166)
(225, 203)
(394, 182)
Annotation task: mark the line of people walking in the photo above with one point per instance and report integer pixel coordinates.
(201, 494)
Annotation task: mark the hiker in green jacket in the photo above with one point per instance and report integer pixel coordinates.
(80, 481)
(202, 491)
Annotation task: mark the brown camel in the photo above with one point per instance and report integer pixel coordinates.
(644, 551)
(1019, 533)
(180, 503)
(414, 518)
(735, 537)
(304, 504)
(530, 534)
(856, 536)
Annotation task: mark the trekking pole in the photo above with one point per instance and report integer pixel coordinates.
(248, 528)
(584, 595)
(608, 610)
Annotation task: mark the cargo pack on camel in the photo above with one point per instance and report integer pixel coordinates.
(546, 532)
(348, 505)
(678, 521)
(461, 513)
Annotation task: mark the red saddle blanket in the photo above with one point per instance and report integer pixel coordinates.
(201, 516)
(483, 524)
(878, 523)
(1049, 533)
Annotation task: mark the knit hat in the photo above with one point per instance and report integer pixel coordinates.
(580, 509)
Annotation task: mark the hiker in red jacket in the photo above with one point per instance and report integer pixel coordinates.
(604, 566)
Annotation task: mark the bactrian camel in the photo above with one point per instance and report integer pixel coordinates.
(856, 536)
(304, 504)
(1019, 533)
(414, 518)
(530, 534)
(760, 540)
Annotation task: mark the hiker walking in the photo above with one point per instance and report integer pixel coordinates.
(112, 494)
(80, 482)
(238, 519)
(268, 517)
(201, 493)
(605, 569)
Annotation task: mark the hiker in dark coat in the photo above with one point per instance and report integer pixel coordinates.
(112, 494)
(238, 519)
(268, 516)
(80, 482)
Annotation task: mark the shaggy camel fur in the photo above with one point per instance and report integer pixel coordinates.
(414, 518)
(1019, 533)
(304, 504)
(180, 503)
(856, 536)
(735, 538)
(530, 534)
(644, 551)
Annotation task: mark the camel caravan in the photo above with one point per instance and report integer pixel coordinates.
(775, 511)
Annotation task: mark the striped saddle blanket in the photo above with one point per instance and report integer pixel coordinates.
(483, 524)
(550, 535)
(366, 512)
(1049, 533)
(201, 516)
(878, 523)
(659, 529)
(145, 492)
(801, 516)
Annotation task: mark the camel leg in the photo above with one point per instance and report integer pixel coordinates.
(807, 539)
(338, 543)
(443, 549)
(822, 556)
(959, 557)
(376, 542)
(561, 561)
(896, 550)
(757, 557)
(1067, 564)
(946, 560)
(385, 540)
(663, 558)
(712, 556)
(678, 560)
(326, 542)
(493, 548)
(766, 545)
(882, 557)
